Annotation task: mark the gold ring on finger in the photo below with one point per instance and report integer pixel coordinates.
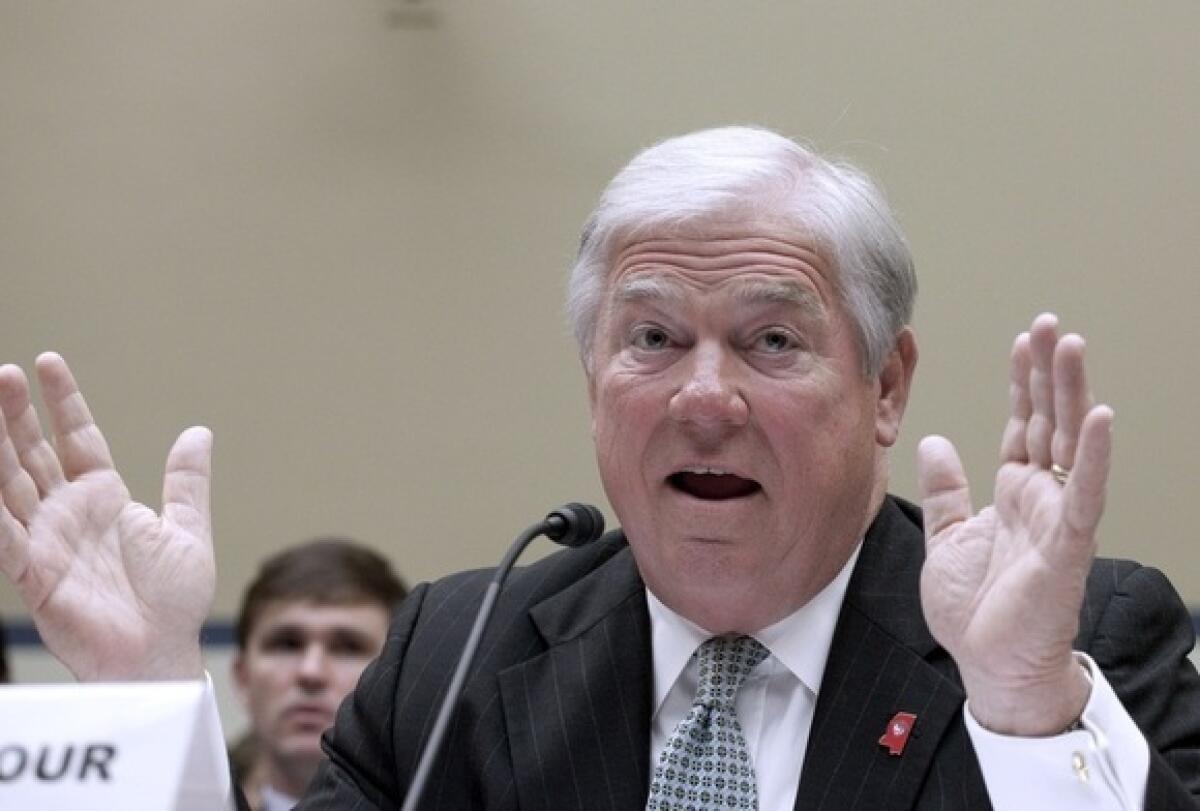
(1059, 473)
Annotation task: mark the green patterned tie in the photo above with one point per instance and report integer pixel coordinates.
(706, 764)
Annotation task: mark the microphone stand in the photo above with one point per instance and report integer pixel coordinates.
(562, 525)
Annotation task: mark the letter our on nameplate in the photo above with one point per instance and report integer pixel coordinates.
(13, 758)
(51, 762)
(98, 757)
(136, 747)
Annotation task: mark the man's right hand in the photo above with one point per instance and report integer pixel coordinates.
(117, 592)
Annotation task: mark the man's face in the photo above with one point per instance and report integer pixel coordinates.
(301, 659)
(738, 439)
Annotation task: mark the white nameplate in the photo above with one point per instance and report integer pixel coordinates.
(144, 746)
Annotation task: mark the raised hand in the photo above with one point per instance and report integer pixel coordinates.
(1002, 589)
(116, 591)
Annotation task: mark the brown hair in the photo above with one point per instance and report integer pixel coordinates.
(326, 571)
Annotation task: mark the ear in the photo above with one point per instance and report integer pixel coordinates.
(895, 381)
(590, 377)
(240, 677)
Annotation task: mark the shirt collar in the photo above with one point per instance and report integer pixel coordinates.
(799, 641)
(276, 800)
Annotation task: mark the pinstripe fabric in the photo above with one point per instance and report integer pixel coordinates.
(883, 661)
(556, 714)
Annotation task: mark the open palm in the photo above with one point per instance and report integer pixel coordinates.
(115, 590)
(1002, 589)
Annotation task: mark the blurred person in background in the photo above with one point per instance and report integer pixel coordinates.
(310, 622)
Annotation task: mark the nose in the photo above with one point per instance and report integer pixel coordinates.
(709, 399)
(313, 672)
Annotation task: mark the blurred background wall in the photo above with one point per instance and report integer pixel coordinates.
(337, 233)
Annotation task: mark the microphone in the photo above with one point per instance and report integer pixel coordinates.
(575, 524)
(570, 525)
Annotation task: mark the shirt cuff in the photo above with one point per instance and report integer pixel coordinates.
(1104, 765)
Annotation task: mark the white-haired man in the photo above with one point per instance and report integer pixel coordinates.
(769, 629)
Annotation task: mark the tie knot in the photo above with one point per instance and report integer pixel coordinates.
(725, 662)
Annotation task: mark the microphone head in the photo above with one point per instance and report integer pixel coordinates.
(575, 524)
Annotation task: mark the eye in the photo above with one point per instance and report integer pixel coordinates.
(651, 338)
(283, 641)
(350, 645)
(775, 341)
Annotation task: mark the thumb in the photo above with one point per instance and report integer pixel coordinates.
(187, 482)
(945, 494)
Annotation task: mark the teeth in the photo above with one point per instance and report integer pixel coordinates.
(711, 471)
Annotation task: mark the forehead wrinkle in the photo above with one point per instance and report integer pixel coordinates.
(748, 258)
(716, 245)
(752, 291)
(727, 257)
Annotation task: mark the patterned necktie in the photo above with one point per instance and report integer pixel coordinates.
(706, 764)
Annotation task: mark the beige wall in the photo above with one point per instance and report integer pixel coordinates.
(336, 232)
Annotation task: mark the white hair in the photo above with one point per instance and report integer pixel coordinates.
(748, 175)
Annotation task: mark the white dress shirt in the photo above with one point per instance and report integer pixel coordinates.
(276, 800)
(1103, 766)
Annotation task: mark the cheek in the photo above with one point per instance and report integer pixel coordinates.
(816, 434)
(264, 699)
(621, 416)
(347, 674)
(271, 679)
(624, 420)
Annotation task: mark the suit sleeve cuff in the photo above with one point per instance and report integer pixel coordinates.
(1104, 765)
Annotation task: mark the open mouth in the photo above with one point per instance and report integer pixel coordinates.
(711, 484)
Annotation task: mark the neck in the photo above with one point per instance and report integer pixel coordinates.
(289, 776)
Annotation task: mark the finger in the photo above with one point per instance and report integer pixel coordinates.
(1071, 399)
(945, 495)
(17, 489)
(14, 547)
(1043, 335)
(1012, 445)
(34, 453)
(1084, 493)
(187, 483)
(81, 446)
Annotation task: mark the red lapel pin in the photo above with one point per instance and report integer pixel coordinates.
(895, 737)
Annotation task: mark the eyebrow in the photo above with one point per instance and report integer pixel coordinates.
(644, 288)
(778, 291)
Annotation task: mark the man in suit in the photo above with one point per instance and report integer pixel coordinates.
(767, 610)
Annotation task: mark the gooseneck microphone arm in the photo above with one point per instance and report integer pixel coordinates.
(569, 525)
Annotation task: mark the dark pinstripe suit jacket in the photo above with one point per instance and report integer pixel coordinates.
(556, 715)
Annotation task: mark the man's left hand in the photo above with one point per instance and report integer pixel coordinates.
(1002, 589)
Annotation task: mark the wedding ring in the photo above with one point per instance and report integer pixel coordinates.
(1059, 473)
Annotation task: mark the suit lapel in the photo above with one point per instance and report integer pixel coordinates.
(578, 715)
(878, 666)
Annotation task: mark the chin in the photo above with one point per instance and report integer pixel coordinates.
(718, 562)
(305, 749)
